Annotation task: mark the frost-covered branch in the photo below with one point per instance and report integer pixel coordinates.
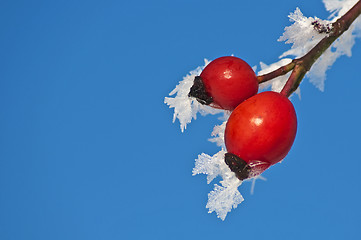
(301, 66)
(305, 63)
(316, 44)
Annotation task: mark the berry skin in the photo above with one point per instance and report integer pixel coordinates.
(261, 130)
(228, 81)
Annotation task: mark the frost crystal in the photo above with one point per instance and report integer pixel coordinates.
(342, 46)
(223, 197)
(303, 36)
(338, 7)
(186, 108)
(218, 135)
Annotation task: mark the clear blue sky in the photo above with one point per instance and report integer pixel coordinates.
(88, 149)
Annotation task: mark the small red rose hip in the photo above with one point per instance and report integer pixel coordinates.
(225, 82)
(260, 131)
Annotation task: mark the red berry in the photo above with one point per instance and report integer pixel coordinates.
(229, 81)
(262, 129)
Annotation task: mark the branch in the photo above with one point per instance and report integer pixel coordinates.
(301, 66)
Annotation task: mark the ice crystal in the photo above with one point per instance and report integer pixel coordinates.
(310, 36)
(222, 199)
(225, 196)
(254, 182)
(338, 7)
(301, 34)
(186, 108)
(218, 134)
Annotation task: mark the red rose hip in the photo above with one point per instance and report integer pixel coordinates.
(260, 131)
(225, 82)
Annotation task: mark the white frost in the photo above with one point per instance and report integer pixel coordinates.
(218, 134)
(301, 34)
(223, 197)
(338, 7)
(303, 37)
(186, 108)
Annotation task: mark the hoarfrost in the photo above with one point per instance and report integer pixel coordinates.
(186, 108)
(218, 135)
(303, 36)
(254, 182)
(338, 7)
(223, 197)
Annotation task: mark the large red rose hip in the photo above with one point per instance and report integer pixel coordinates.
(225, 82)
(260, 131)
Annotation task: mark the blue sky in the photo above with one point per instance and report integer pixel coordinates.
(88, 149)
